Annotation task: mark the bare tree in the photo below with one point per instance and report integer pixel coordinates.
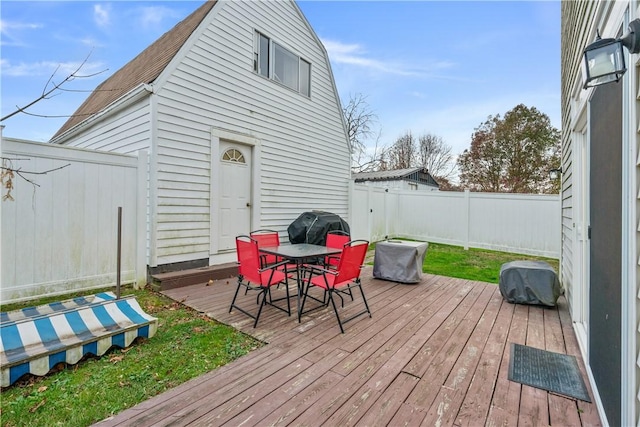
(372, 159)
(435, 155)
(7, 170)
(402, 153)
(51, 89)
(360, 122)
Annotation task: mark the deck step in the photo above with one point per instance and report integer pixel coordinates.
(177, 279)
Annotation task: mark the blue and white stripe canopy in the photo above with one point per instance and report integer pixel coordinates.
(33, 340)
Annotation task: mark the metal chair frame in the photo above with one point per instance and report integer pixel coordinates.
(250, 267)
(347, 274)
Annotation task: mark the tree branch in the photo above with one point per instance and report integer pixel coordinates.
(8, 173)
(47, 94)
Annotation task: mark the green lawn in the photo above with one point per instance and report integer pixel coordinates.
(474, 264)
(186, 345)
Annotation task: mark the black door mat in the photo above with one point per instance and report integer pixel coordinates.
(555, 372)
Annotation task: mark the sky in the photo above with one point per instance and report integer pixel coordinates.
(437, 67)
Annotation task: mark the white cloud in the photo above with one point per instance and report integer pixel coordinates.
(91, 42)
(47, 68)
(10, 30)
(102, 15)
(153, 16)
(354, 54)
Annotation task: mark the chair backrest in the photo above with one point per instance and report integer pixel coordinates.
(248, 257)
(337, 239)
(266, 237)
(351, 261)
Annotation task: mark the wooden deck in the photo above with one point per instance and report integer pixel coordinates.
(435, 353)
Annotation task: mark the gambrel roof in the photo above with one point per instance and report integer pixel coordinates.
(143, 69)
(417, 174)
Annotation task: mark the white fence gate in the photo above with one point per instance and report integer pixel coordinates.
(60, 235)
(520, 223)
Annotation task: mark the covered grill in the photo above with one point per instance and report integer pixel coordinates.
(312, 227)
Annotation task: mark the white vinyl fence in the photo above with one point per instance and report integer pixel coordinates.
(520, 223)
(61, 235)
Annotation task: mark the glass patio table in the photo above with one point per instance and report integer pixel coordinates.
(298, 254)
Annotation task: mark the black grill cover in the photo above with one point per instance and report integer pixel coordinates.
(312, 227)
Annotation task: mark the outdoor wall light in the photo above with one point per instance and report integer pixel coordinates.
(555, 173)
(604, 59)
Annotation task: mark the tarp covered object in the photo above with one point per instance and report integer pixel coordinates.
(35, 339)
(399, 260)
(312, 227)
(529, 282)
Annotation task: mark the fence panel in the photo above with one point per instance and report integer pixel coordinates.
(520, 223)
(60, 235)
(526, 223)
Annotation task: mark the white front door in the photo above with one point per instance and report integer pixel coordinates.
(235, 194)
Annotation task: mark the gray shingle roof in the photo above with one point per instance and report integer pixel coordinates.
(144, 68)
(384, 175)
(416, 174)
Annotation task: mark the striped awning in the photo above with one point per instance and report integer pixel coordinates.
(35, 339)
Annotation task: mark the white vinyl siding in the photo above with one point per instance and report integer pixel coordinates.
(126, 132)
(305, 160)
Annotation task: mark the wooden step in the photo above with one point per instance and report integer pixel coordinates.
(177, 279)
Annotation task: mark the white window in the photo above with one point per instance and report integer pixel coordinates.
(233, 155)
(262, 56)
(276, 62)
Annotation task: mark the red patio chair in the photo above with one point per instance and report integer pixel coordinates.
(270, 238)
(335, 239)
(253, 277)
(266, 238)
(339, 281)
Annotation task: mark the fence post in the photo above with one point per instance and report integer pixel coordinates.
(370, 212)
(467, 217)
(386, 213)
(141, 220)
(119, 254)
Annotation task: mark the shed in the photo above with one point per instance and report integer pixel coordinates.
(417, 178)
(238, 109)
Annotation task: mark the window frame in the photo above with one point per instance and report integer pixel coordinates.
(303, 83)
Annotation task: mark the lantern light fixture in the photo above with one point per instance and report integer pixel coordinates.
(555, 173)
(604, 58)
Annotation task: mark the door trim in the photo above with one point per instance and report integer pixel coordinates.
(218, 134)
(580, 290)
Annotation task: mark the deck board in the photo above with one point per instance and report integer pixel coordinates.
(434, 353)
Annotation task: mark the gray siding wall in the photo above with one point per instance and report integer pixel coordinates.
(579, 23)
(304, 150)
(575, 29)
